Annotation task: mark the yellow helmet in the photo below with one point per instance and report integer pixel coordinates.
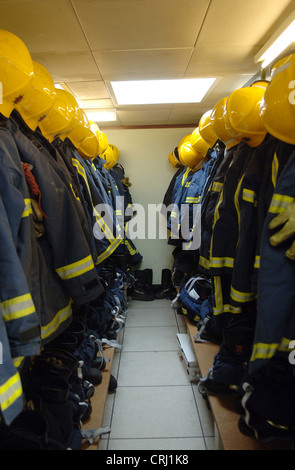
(16, 71)
(277, 105)
(198, 143)
(110, 155)
(62, 117)
(242, 112)
(39, 98)
(82, 130)
(190, 157)
(102, 138)
(206, 130)
(103, 142)
(89, 146)
(173, 158)
(116, 151)
(218, 119)
(184, 139)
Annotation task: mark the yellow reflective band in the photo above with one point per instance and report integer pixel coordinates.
(191, 199)
(131, 250)
(217, 187)
(10, 391)
(187, 185)
(221, 262)
(104, 227)
(279, 203)
(274, 170)
(18, 307)
(17, 361)
(76, 269)
(174, 215)
(185, 176)
(81, 172)
(61, 316)
(111, 248)
(263, 351)
(77, 197)
(204, 262)
(118, 212)
(257, 262)
(241, 296)
(249, 196)
(28, 208)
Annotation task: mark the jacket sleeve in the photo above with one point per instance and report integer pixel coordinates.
(18, 309)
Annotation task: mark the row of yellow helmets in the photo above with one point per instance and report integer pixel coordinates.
(28, 87)
(246, 115)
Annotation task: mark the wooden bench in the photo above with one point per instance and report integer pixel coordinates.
(227, 433)
(98, 400)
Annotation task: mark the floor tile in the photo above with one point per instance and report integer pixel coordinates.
(150, 317)
(150, 338)
(187, 443)
(162, 303)
(151, 368)
(153, 412)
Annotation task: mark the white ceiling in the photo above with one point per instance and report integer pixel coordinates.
(85, 44)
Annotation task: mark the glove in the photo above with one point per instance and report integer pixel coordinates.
(287, 219)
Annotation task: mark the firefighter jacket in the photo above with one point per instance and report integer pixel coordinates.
(275, 323)
(65, 150)
(51, 154)
(107, 232)
(209, 200)
(69, 250)
(18, 308)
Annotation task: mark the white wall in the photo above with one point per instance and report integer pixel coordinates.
(144, 156)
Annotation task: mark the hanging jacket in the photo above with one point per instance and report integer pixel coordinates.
(107, 233)
(51, 154)
(18, 308)
(70, 254)
(210, 197)
(275, 322)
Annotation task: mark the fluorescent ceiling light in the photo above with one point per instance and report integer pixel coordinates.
(282, 39)
(102, 116)
(187, 90)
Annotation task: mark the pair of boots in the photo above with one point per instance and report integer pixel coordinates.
(144, 289)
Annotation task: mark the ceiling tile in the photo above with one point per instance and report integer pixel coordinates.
(44, 26)
(69, 67)
(221, 60)
(140, 24)
(136, 65)
(89, 90)
(242, 23)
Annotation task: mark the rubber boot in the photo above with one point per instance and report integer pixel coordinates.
(143, 287)
(166, 290)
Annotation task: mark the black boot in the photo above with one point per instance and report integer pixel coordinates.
(143, 287)
(166, 290)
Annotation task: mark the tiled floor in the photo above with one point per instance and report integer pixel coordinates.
(155, 406)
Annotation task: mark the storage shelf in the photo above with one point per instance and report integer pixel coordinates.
(224, 406)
